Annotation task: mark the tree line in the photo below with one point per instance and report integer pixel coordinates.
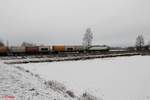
(87, 40)
(88, 37)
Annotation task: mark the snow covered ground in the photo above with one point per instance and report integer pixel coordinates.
(19, 84)
(121, 78)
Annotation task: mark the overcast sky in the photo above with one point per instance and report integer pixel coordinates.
(113, 22)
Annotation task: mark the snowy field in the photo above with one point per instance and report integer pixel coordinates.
(122, 78)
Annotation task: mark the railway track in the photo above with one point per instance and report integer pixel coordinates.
(57, 58)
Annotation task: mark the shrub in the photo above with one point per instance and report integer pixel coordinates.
(70, 93)
(55, 85)
(87, 96)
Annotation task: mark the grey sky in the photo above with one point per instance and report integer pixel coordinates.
(114, 22)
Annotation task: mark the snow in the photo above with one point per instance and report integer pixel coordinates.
(121, 78)
(19, 84)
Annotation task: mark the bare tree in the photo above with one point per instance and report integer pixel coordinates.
(88, 37)
(139, 42)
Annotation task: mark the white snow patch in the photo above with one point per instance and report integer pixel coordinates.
(19, 84)
(121, 78)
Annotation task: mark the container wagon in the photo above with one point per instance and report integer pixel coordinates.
(45, 49)
(3, 51)
(33, 50)
(58, 48)
(74, 48)
(17, 50)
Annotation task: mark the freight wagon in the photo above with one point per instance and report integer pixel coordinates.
(45, 49)
(58, 48)
(32, 50)
(3, 50)
(74, 48)
(17, 50)
(66, 48)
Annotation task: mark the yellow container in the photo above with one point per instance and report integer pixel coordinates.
(59, 48)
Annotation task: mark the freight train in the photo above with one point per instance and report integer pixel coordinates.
(34, 50)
